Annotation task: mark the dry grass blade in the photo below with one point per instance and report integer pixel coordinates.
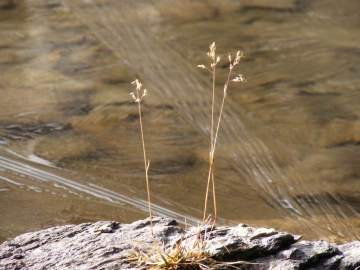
(183, 255)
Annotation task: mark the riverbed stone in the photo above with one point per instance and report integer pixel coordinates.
(351, 253)
(112, 245)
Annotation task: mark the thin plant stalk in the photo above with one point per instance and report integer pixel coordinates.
(222, 106)
(239, 78)
(213, 186)
(213, 150)
(207, 193)
(215, 60)
(212, 136)
(138, 99)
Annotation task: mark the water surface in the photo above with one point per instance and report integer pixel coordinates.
(288, 150)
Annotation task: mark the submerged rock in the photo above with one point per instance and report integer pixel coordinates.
(112, 245)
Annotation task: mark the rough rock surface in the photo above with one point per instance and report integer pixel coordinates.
(109, 245)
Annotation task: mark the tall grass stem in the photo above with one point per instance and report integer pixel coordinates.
(138, 99)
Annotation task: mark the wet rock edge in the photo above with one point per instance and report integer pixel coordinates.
(107, 245)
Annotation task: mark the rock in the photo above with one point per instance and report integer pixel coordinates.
(104, 245)
(299, 255)
(244, 242)
(351, 253)
(112, 245)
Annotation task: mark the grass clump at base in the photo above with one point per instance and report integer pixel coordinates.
(187, 254)
(182, 255)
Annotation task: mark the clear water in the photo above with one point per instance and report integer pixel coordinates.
(288, 152)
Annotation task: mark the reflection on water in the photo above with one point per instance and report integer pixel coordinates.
(288, 150)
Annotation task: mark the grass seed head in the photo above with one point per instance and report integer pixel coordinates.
(211, 52)
(217, 59)
(138, 84)
(238, 57)
(136, 95)
(239, 78)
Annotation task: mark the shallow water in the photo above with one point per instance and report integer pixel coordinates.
(288, 150)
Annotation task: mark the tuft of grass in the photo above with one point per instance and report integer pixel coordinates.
(181, 255)
(188, 254)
